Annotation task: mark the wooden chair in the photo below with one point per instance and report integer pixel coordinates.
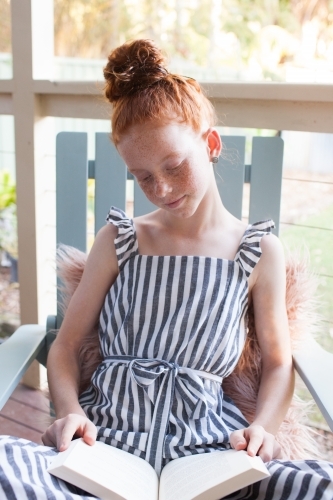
(110, 174)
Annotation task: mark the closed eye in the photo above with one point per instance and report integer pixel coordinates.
(178, 167)
(144, 179)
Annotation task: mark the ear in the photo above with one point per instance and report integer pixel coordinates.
(214, 142)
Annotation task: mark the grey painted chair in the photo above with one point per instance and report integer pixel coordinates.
(73, 169)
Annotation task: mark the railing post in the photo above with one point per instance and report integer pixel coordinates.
(28, 33)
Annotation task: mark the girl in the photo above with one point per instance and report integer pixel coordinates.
(172, 290)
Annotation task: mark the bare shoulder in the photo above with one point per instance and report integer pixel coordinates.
(108, 231)
(271, 247)
(271, 266)
(100, 272)
(103, 252)
(101, 268)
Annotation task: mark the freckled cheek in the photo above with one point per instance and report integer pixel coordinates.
(193, 180)
(186, 183)
(149, 191)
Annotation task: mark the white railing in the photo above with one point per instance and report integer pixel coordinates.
(277, 106)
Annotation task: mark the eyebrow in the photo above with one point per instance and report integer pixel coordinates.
(169, 156)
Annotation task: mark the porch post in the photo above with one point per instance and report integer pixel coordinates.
(30, 49)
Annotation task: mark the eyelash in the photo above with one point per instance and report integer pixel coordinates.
(178, 167)
(145, 179)
(171, 170)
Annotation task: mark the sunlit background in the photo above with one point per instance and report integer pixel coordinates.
(219, 40)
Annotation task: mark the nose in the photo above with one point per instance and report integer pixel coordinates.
(162, 188)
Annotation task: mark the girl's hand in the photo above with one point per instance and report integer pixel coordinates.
(61, 432)
(256, 441)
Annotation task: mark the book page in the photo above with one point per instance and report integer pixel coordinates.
(102, 469)
(206, 475)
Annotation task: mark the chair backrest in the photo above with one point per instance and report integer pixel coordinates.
(109, 171)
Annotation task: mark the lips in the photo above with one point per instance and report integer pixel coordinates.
(176, 203)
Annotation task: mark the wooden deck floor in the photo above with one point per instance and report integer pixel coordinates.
(26, 414)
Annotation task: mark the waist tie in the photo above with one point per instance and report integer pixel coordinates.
(171, 376)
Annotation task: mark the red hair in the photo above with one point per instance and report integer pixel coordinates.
(141, 89)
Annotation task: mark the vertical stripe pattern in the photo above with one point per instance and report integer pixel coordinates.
(171, 328)
(188, 312)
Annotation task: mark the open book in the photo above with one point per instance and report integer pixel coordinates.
(113, 474)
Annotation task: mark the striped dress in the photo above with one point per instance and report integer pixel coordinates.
(171, 328)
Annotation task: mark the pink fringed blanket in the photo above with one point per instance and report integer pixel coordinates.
(242, 385)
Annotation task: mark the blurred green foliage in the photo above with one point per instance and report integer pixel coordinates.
(7, 190)
(8, 233)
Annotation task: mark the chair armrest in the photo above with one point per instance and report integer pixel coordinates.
(51, 328)
(315, 367)
(16, 354)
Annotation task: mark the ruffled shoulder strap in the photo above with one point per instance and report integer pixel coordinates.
(126, 242)
(249, 250)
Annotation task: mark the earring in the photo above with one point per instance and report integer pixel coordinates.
(215, 159)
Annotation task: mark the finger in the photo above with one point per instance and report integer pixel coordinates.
(47, 438)
(255, 437)
(73, 425)
(89, 432)
(267, 449)
(237, 440)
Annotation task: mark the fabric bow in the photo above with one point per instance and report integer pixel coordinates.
(160, 379)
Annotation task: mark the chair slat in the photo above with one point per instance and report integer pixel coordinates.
(266, 180)
(71, 194)
(110, 179)
(230, 172)
(71, 188)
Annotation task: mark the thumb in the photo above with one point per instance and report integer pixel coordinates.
(238, 441)
(89, 433)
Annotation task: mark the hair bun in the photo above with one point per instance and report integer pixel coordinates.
(132, 67)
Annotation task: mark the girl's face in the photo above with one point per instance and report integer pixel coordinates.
(171, 163)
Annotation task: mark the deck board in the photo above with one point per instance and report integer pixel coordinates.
(26, 414)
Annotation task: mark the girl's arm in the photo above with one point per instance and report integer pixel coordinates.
(268, 283)
(63, 367)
